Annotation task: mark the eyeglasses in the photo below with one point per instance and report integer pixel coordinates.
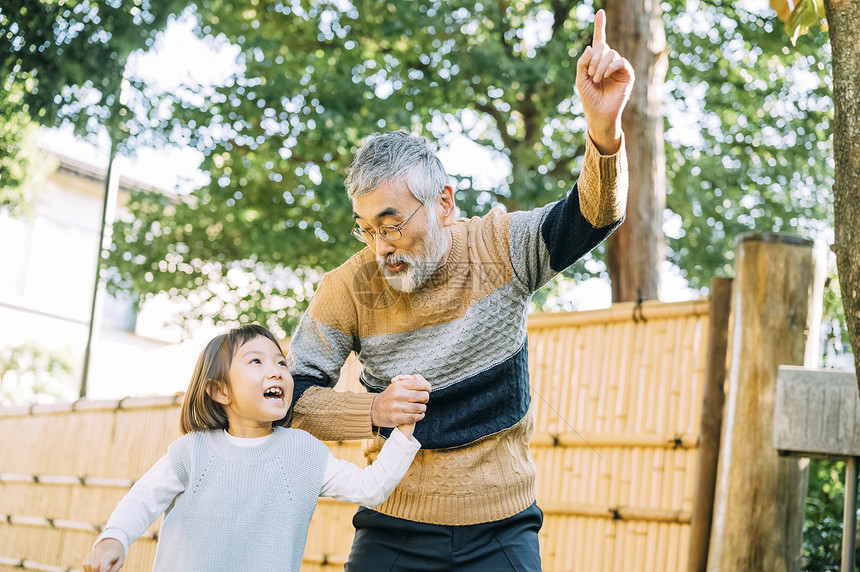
(387, 231)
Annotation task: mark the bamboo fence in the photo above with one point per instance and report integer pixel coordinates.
(617, 396)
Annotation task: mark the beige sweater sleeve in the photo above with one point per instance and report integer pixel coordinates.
(603, 185)
(331, 415)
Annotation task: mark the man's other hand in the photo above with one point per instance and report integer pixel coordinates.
(404, 401)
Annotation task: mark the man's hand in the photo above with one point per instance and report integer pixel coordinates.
(402, 402)
(604, 80)
(107, 556)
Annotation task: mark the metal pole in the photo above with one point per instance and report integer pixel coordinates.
(849, 515)
(108, 207)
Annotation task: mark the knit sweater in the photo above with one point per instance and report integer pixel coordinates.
(222, 522)
(464, 330)
(158, 489)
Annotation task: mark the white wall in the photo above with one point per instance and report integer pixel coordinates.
(47, 271)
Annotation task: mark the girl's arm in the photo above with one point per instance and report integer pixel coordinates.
(140, 507)
(407, 429)
(372, 485)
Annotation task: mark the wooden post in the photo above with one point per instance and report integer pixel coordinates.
(712, 422)
(759, 501)
(849, 515)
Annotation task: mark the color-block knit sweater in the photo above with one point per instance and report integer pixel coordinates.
(464, 330)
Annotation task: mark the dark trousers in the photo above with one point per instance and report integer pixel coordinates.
(386, 544)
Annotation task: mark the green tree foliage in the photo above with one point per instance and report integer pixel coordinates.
(63, 63)
(31, 371)
(749, 133)
(315, 80)
(800, 16)
(22, 170)
(15, 161)
(748, 141)
(66, 59)
(822, 529)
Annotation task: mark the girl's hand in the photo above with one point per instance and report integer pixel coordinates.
(406, 429)
(107, 556)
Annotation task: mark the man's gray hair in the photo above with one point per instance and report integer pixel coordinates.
(396, 155)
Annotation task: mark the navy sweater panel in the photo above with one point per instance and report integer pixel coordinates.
(475, 407)
(568, 235)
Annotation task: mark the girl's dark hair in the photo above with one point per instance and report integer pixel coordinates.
(199, 411)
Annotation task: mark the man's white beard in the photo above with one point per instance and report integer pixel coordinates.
(418, 267)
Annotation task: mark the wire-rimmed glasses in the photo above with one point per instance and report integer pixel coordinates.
(389, 232)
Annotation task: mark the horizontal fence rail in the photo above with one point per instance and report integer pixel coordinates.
(60, 524)
(62, 480)
(21, 564)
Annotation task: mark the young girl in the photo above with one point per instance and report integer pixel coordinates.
(238, 489)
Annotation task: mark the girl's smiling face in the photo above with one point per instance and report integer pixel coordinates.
(260, 389)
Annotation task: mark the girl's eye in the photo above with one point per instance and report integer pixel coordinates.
(256, 360)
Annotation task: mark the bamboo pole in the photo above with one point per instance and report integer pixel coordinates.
(620, 312)
(64, 480)
(589, 440)
(711, 423)
(759, 500)
(21, 564)
(93, 405)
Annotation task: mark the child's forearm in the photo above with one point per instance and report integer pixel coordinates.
(372, 485)
(143, 504)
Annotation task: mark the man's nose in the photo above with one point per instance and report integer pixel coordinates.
(381, 246)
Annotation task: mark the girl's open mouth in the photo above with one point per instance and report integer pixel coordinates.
(274, 393)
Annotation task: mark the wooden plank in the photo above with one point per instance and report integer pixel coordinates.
(713, 400)
(817, 412)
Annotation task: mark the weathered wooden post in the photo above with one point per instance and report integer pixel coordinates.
(759, 501)
(711, 423)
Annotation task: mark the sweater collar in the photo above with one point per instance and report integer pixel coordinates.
(458, 242)
(226, 448)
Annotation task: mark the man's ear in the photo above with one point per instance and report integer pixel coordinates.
(447, 206)
(218, 391)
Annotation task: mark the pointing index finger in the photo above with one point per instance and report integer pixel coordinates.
(599, 28)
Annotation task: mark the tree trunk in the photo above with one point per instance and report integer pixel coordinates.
(635, 251)
(843, 18)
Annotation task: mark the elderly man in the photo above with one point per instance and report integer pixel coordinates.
(435, 309)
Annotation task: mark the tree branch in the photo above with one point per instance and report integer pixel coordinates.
(502, 7)
(563, 9)
(530, 114)
(501, 122)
